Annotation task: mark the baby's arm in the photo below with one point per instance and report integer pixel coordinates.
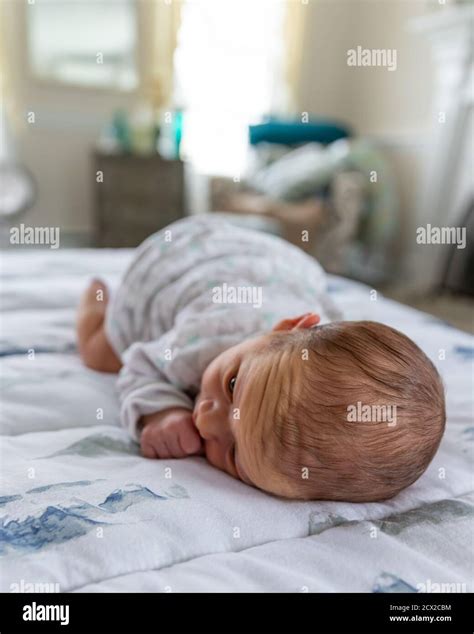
(152, 406)
(154, 386)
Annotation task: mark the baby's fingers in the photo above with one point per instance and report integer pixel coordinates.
(148, 449)
(151, 443)
(174, 446)
(189, 439)
(163, 450)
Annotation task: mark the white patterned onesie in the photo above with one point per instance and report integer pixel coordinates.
(194, 289)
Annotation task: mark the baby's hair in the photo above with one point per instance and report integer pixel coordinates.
(367, 418)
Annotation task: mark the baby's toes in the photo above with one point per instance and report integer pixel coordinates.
(98, 292)
(95, 297)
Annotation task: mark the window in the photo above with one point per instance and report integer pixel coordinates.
(83, 42)
(228, 73)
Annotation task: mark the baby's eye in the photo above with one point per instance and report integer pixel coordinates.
(231, 384)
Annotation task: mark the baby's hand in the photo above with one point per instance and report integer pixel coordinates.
(170, 434)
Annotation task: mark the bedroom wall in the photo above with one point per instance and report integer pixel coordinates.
(391, 107)
(57, 147)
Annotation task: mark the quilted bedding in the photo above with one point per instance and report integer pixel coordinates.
(80, 510)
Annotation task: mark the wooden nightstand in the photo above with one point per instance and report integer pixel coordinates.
(138, 196)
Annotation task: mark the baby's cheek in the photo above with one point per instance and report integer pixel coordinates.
(208, 450)
(254, 470)
(214, 454)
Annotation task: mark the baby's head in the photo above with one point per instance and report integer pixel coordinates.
(349, 411)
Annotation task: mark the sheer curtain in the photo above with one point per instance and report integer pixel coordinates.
(234, 62)
(159, 26)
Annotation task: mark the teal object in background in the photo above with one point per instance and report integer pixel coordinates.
(171, 134)
(121, 130)
(178, 130)
(295, 132)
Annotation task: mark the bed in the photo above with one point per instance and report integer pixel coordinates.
(82, 511)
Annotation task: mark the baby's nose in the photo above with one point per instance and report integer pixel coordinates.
(205, 406)
(206, 419)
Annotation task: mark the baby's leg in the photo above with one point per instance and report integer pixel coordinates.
(95, 350)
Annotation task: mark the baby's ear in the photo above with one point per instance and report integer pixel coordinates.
(308, 320)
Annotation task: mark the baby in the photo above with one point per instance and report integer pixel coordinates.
(211, 363)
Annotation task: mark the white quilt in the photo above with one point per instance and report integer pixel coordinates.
(81, 510)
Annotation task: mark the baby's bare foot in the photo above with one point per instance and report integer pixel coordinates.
(91, 311)
(93, 345)
(94, 299)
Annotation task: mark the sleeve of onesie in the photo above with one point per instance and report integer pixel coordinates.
(160, 374)
(144, 385)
